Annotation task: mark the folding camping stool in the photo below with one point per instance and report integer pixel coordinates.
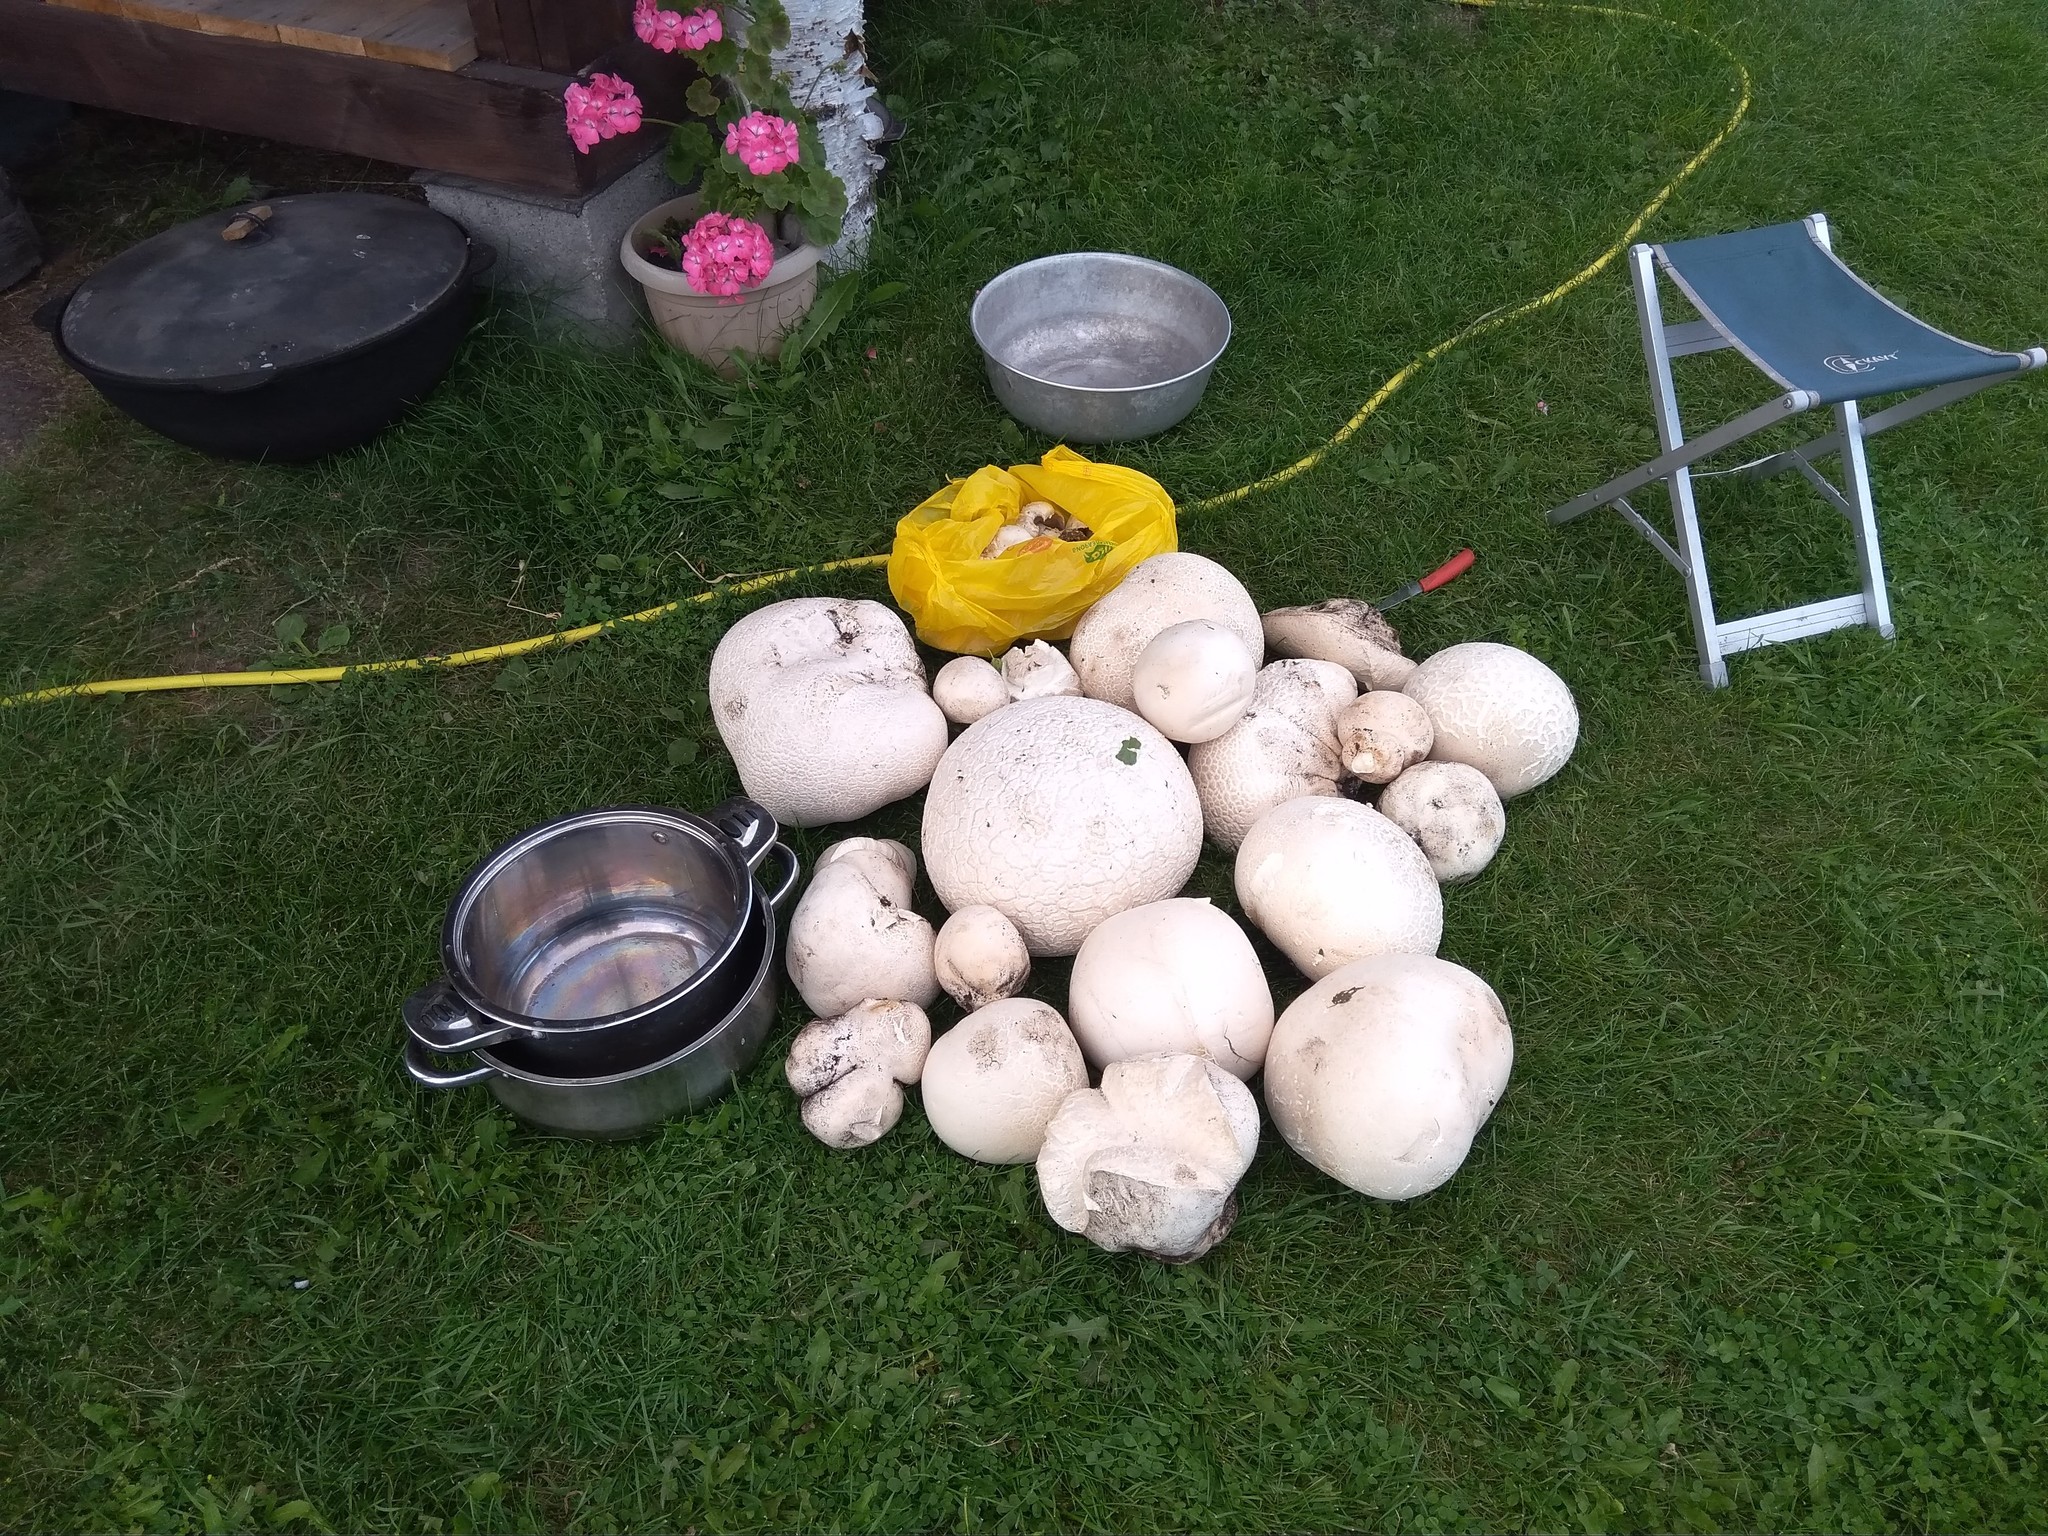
(1783, 299)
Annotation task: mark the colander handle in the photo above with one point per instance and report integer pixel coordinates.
(436, 1018)
(427, 1075)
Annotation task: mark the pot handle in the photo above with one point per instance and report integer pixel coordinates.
(436, 1018)
(427, 1075)
(752, 830)
(50, 313)
(482, 257)
(780, 894)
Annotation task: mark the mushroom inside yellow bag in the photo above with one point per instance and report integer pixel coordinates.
(1037, 588)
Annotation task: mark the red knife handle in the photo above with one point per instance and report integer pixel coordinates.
(1450, 570)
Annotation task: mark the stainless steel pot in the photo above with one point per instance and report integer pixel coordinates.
(602, 941)
(622, 1104)
(1097, 346)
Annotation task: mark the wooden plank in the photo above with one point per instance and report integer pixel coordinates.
(435, 34)
(492, 122)
(169, 13)
(504, 31)
(573, 33)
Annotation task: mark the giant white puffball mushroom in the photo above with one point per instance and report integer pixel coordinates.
(993, 1081)
(1284, 746)
(1059, 813)
(1039, 671)
(1171, 976)
(1499, 709)
(1381, 733)
(980, 957)
(854, 935)
(1194, 680)
(968, 687)
(1382, 1072)
(1331, 881)
(1164, 590)
(1346, 630)
(1149, 1162)
(850, 1070)
(821, 701)
(1454, 814)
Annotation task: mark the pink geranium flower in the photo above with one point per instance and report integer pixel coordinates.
(602, 109)
(723, 254)
(669, 30)
(764, 144)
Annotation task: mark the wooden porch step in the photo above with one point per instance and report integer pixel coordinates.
(432, 34)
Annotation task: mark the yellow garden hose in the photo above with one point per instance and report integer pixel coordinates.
(1484, 325)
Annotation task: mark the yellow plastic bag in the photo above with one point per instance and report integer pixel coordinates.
(1036, 590)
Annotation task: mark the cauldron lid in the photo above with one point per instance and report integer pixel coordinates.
(324, 274)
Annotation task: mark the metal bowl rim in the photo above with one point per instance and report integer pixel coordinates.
(974, 324)
(494, 862)
(763, 975)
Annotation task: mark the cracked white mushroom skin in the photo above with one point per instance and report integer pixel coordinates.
(1059, 813)
(1346, 630)
(1194, 680)
(1039, 671)
(821, 701)
(1171, 976)
(1499, 709)
(850, 1070)
(967, 688)
(1454, 814)
(1381, 734)
(1331, 881)
(1285, 746)
(980, 957)
(1164, 590)
(854, 935)
(1149, 1162)
(993, 1081)
(1382, 1072)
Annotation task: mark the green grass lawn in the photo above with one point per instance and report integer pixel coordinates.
(1755, 1239)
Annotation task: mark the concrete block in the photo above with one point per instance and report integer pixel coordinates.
(562, 252)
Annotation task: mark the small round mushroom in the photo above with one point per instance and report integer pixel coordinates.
(1331, 881)
(850, 1070)
(1171, 976)
(967, 688)
(1382, 1072)
(1194, 680)
(1498, 709)
(1039, 671)
(1285, 746)
(980, 957)
(1156, 592)
(993, 1081)
(1150, 1161)
(1454, 814)
(854, 935)
(1379, 734)
(1346, 630)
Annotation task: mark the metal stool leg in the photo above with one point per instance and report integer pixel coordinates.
(1877, 608)
(1699, 596)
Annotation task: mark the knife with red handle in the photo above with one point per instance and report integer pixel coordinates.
(1450, 570)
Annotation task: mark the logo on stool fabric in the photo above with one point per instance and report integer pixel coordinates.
(1841, 362)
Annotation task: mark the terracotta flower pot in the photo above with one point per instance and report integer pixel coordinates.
(713, 328)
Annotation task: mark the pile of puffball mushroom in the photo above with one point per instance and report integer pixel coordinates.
(1065, 820)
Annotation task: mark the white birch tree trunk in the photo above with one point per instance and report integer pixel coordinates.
(826, 61)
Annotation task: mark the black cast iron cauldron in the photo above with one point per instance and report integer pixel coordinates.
(283, 330)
